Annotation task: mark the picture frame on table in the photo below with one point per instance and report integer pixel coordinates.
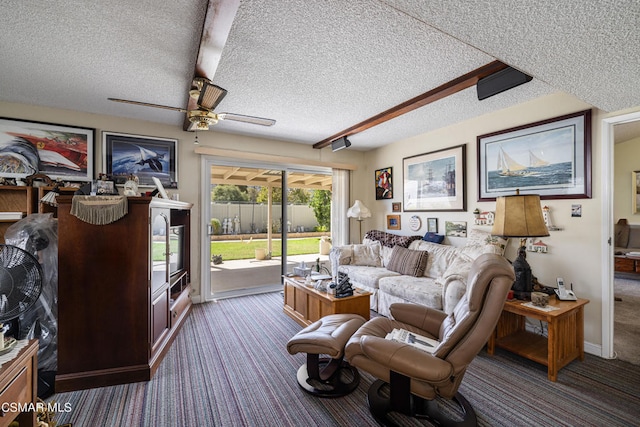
(435, 181)
(393, 222)
(143, 156)
(58, 151)
(384, 183)
(551, 158)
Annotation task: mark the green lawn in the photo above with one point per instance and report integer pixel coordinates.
(231, 250)
(234, 249)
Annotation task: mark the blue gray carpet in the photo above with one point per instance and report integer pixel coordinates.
(229, 367)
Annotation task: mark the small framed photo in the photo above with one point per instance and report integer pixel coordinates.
(396, 207)
(432, 225)
(455, 228)
(393, 222)
(105, 187)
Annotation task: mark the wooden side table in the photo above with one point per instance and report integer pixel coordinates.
(565, 340)
(19, 385)
(305, 305)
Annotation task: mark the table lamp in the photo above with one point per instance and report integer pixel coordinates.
(360, 212)
(520, 216)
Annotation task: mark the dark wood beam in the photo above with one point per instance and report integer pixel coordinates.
(447, 89)
(215, 30)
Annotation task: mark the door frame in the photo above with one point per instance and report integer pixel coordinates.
(608, 230)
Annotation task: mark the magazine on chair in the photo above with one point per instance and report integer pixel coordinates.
(419, 341)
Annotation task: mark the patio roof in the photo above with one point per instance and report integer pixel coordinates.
(234, 175)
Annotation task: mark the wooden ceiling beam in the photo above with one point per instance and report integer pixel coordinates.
(447, 89)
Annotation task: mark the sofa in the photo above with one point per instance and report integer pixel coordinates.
(627, 237)
(409, 269)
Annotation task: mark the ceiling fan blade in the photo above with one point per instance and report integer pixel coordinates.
(146, 104)
(210, 95)
(246, 119)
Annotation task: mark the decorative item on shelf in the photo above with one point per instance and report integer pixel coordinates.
(38, 180)
(360, 212)
(51, 198)
(539, 299)
(537, 246)
(415, 223)
(131, 186)
(520, 216)
(546, 214)
(484, 218)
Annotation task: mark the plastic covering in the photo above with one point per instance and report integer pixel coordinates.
(38, 235)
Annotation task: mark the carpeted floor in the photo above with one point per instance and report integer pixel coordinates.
(229, 367)
(626, 333)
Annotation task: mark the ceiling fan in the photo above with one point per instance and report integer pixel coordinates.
(207, 96)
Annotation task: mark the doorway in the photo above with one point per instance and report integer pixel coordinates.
(254, 234)
(608, 177)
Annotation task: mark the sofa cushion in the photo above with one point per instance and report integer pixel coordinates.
(433, 237)
(366, 276)
(622, 233)
(419, 290)
(440, 256)
(407, 261)
(367, 255)
(481, 242)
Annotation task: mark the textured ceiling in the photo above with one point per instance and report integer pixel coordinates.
(317, 67)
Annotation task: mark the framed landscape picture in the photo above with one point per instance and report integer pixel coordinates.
(551, 158)
(143, 156)
(435, 181)
(384, 183)
(58, 151)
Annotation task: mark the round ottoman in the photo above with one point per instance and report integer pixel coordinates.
(333, 376)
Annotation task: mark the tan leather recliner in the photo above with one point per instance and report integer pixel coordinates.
(416, 377)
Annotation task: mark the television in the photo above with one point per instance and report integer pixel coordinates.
(176, 249)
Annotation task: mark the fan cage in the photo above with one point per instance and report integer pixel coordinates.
(20, 281)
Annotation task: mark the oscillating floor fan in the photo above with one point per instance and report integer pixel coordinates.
(20, 287)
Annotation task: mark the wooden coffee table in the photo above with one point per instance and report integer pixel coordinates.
(305, 305)
(565, 329)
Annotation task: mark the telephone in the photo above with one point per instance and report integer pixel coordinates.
(562, 293)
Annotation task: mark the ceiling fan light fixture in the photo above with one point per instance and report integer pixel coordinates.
(202, 119)
(210, 96)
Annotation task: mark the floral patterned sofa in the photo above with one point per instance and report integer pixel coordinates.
(408, 269)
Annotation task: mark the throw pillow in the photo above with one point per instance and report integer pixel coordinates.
(367, 255)
(481, 242)
(433, 237)
(408, 262)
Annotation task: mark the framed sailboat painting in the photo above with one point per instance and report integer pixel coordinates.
(551, 158)
(143, 156)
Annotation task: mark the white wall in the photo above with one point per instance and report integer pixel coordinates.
(574, 253)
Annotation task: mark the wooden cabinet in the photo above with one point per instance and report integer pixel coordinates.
(19, 386)
(16, 199)
(118, 295)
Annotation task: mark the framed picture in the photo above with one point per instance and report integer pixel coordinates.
(384, 184)
(432, 225)
(144, 156)
(551, 158)
(635, 191)
(58, 151)
(435, 181)
(393, 222)
(103, 187)
(455, 228)
(396, 207)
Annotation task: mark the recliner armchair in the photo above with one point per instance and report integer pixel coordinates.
(417, 377)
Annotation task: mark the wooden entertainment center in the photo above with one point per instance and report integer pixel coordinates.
(120, 303)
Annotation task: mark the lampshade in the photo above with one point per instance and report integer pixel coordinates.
(359, 210)
(519, 216)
